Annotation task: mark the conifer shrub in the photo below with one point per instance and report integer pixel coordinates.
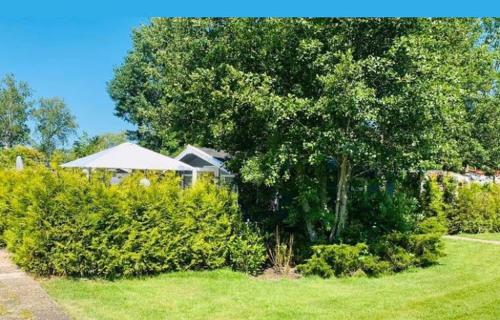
(469, 208)
(62, 223)
(31, 157)
(394, 252)
(476, 209)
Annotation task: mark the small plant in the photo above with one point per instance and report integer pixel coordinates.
(247, 252)
(281, 254)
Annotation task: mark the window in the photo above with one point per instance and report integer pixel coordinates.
(187, 180)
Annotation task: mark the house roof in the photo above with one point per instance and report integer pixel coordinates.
(217, 154)
(212, 156)
(129, 156)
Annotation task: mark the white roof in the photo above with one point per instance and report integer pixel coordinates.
(128, 156)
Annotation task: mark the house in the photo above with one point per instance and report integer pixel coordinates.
(206, 160)
(469, 176)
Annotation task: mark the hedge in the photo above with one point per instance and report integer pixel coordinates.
(62, 223)
(30, 156)
(470, 208)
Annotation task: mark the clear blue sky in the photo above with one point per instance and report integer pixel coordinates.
(72, 58)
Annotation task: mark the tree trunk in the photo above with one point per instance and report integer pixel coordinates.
(341, 200)
(313, 236)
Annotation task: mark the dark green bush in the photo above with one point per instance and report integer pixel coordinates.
(342, 260)
(377, 212)
(420, 248)
(61, 223)
(316, 265)
(396, 251)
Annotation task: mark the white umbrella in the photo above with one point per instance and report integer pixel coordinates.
(129, 156)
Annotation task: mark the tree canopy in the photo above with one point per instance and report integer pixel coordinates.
(86, 144)
(301, 103)
(54, 124)
(15, 107)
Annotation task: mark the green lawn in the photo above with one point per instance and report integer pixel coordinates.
(483, 236)
(466, 285)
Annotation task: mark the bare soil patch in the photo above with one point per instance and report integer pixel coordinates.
(271, 274)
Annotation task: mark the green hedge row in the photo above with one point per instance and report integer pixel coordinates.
(61, 223)
(30, 156)
(471, 208)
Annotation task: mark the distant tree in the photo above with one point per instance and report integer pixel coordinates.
(483, 150)
(295, 99)
(86, 144)
(15, 106)
(54, 125)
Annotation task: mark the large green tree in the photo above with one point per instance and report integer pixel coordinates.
(15, 106)
(294, 99)
(54, 124)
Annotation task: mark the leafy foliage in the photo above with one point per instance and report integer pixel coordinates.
(86, 145)
(54, 124)
(477, 209)
(15, 107)
(61, 223)
(307, 105)
(376, 212)
(342, 260)
(31, 157)
(469, 208)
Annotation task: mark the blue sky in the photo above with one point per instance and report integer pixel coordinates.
(72, 58)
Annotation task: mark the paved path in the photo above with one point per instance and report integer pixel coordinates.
(21, 297)
(472, 239)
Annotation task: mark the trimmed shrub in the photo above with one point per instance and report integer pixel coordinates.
(246, 252)
(61, 223)
(471, 208)
(434, 205)
(342, 260)
(316, 265)
(376, 213)
(31, 157)
(476, 209)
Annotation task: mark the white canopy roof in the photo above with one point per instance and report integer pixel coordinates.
(128, 156)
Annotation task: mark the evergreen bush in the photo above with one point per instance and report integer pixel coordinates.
(62, 223)
(470, 208)
(394, 252)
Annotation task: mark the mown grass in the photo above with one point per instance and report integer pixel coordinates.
(482, 236)
(465, 285)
